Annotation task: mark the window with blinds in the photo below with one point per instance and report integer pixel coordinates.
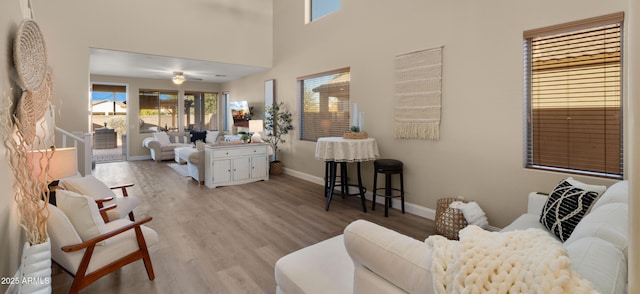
(325, 104)
(573, 86)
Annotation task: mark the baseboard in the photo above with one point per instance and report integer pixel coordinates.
(411, 208)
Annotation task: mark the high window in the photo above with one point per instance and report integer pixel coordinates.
(158, 110)
(573, 77)
(325, 104)
(319, 8)
(201, 111)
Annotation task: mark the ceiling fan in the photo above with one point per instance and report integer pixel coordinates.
(178, 78)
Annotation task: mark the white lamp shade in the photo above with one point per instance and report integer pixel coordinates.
(256, 125)
(63, 163)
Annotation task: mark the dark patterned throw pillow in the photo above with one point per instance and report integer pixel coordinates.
(565, 207)
(197, 135)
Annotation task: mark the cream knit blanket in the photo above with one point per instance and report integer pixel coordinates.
(528, 261)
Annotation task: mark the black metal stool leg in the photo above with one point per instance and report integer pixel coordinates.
(343, 179)
(402, 192)
(326, 178)
(375, 189)
(387, 193)
(332, 184)
(361, 189)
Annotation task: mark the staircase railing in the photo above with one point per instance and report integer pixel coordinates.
(82, 142)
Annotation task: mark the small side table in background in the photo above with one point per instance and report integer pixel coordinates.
(335, 150)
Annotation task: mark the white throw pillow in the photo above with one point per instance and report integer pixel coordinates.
(162, 138)
(212, 136)
(584, 186)
(82, 211)
(89, 186)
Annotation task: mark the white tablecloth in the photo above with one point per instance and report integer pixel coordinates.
(346, 150)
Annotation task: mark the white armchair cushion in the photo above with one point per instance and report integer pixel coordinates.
(162, 138)
(297, 272)
(124, 206)
(600, 223)
(617, 193)
(61, 233)
(88, 185)
(599, 262)
(401, 260)
(82, 211)
(96, 189)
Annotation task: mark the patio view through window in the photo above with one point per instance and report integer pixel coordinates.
(201, 111)
(573, 78)
(158, 110)
(325, 104)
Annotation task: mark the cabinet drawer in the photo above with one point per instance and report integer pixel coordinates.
(255, 150)
(227, 153)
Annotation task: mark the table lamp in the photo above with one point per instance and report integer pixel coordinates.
(256, 126)
(62, 163)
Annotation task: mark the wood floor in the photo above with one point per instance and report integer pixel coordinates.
(227, 240)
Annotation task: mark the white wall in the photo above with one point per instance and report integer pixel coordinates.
(480, 153)
(12, 238)
(237, 32)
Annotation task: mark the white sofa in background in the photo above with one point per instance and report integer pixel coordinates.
(162, 144)
(369, 258)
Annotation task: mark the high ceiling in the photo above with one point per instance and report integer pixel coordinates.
(127, 64)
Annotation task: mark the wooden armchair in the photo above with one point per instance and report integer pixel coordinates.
(104, 195)
(89, 252)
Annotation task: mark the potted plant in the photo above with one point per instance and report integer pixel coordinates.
(277, 123)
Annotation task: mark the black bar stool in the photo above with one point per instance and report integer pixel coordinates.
(330, 174)
(387, 167)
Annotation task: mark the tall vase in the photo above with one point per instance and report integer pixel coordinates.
(34, 274)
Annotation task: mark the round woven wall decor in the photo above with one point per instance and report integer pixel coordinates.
(32, 107)
(30, 55)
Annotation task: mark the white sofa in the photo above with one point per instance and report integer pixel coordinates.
(369, 258)
(162, 144)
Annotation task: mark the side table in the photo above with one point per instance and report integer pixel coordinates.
(334, 150)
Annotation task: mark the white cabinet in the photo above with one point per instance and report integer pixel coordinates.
(235, 164)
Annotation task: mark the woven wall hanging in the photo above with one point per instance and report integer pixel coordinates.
(418, 92)
(30, 55)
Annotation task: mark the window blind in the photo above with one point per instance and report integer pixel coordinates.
(574, 99)
(325, 104)
(108, 88)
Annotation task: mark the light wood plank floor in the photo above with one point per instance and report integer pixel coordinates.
(227, 240)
